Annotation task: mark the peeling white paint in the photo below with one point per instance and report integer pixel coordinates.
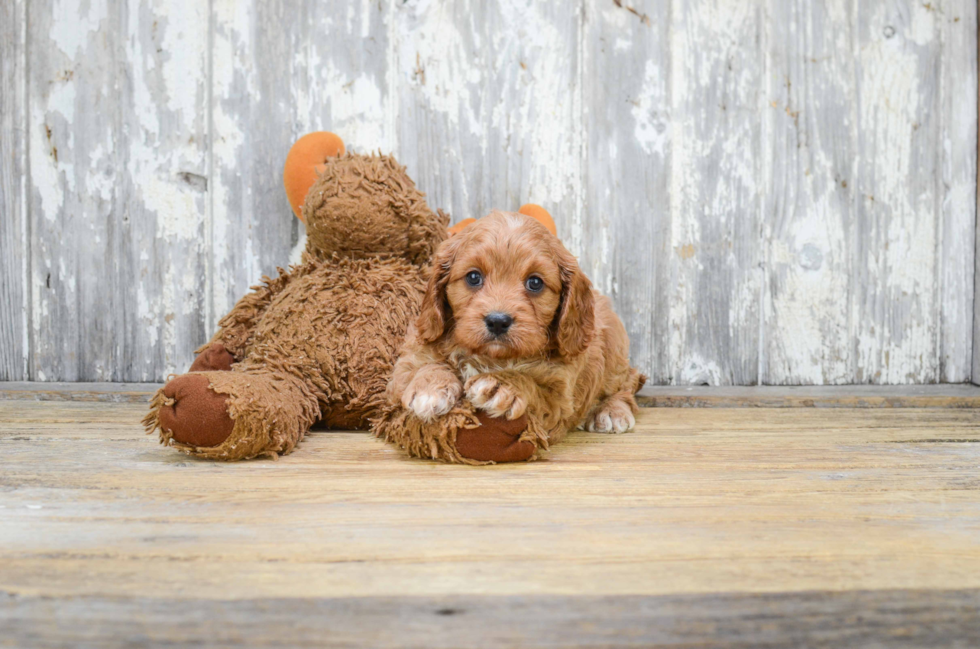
(62, 100)
(549, 109)
(923, 23)
(357, 109)
(97, 180)
(73, 23)
(233, 74)
(700, 371)
(650, 130)
(178, 216)
(46, 174)
(904, 266)
(296, 254)
(434, 57)
(147, 314)
(183, 34)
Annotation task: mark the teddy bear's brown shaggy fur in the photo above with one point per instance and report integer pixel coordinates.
(318, 342)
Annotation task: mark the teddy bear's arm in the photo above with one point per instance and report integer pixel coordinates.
(235, 329)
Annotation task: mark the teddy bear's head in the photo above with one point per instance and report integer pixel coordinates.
(366, 205)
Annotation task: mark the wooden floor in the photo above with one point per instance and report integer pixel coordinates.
(705, 527)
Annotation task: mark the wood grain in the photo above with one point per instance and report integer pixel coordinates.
(489, 107)
(254, 120)
(835, 620)
(958, 107)
(845, 396)
(823, 396)
(811, 118)
(316, 70)
(808, 481)
(717, 83)
(54, 391)
(14, 345)
(625, 231)
(894, 300)
(855, 522)
(118, 150)
(975, 375)
(847, 85)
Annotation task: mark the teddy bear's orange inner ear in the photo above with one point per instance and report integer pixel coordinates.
(462, 225)
(304, 163)
(539, 214)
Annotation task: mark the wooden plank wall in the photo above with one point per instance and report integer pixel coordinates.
(772, 192)
(976, 273)
(14, 348)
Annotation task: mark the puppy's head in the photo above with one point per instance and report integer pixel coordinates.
(507, 288)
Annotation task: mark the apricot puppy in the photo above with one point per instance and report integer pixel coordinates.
(511, 323)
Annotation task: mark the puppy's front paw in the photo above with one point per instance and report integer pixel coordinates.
(431, 399)
(611, 417)
(495, 398)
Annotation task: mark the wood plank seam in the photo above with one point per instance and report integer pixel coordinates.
(975, 368)
(960, 396)
(210, 320)
(29, 372)
(14, 169)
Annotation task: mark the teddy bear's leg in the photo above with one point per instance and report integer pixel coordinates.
(233, 415)
(212, 358)
(461, 435)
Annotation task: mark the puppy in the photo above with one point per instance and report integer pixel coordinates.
(510, 322)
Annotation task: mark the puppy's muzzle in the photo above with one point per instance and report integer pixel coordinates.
(498, 323)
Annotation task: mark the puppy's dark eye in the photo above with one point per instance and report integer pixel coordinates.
(534, 284)
(474, 278)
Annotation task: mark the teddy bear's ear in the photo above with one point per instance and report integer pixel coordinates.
(304, 164)
(462, 225)
(539, 214)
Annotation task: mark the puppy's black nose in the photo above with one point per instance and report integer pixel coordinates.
(498, 323)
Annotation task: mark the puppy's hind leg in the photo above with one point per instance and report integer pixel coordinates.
(612, 415)
(616, 413)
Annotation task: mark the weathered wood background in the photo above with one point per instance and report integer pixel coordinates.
(772, 191)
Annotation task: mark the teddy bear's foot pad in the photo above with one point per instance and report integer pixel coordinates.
(496, 440)
(193, 413)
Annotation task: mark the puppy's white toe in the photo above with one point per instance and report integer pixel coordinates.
(429, 405)
(622, 424)
(495, 398)
(602, 423)
(481, 391)
(505, 404)
(613, 418)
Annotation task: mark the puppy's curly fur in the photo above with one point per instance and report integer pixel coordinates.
(511, 323)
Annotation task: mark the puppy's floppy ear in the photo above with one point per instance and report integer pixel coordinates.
(574, 324)
(435, 311)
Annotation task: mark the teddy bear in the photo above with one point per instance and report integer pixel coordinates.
(316, 345)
